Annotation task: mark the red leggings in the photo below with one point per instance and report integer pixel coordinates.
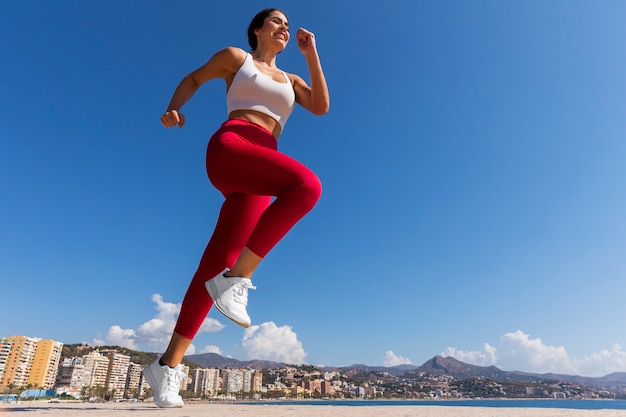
(243, 164)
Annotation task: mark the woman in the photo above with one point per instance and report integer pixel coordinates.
(243, 164)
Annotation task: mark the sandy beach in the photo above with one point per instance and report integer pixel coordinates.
(244, 410)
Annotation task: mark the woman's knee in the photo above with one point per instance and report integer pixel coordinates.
(313, 188)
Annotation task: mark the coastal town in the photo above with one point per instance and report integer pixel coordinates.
(36, 368)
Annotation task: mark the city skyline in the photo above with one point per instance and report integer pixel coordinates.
(472, 166)
(32, 367)
(390, 360)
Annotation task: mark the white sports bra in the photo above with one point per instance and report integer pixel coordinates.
(253, 90)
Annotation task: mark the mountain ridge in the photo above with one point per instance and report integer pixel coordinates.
(438, 365)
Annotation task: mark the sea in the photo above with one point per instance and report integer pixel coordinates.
(570, 404)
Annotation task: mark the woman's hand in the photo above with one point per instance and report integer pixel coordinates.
(306, 41)
(172, 118)
(314, 98)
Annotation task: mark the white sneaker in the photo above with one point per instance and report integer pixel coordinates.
(230, 296)
(165, 384)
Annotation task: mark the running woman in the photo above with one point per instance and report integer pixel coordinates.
(243, 163)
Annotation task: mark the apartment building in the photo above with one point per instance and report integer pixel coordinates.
(117, 372)
(29, 361)
(257, 382)
(248, 376)
(184, 384)
(5, 349)
(45, 364)
(205, 382)
(71, 377)
(326, 388)
(233, 380)
(107, 368)
(96, 369)
(133, 379)
(240, 380)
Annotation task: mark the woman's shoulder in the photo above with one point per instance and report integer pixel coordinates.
(294, 78)
(226, 62)
(232, 52)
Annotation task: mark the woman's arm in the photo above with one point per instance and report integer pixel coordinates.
(315, 98)
(224, 64)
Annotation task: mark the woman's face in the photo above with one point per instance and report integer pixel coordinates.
(275, 29)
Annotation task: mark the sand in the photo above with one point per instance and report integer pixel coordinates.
(245, 410)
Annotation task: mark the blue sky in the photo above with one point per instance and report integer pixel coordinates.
(472, 162)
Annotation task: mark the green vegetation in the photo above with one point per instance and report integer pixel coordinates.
(141, 358)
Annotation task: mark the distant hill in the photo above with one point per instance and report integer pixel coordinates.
(213, 360)
(438, 365)
(141, 358)
(453, 367)
(392, 370)
(450, 366)
(614, 379)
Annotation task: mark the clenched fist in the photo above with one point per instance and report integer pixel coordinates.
(172, 118)
(306, 41)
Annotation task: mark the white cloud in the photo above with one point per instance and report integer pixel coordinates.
(518, 351)
(518, 348)
(154, 334)
(485, 357)
(121, 337)
(269, 342)
(392, 360)
(211, 349)
(604, 362)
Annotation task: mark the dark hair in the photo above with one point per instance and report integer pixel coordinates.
(256, 23)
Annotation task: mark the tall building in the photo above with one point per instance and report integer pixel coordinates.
(29, 361)
(45, 364)
(257, 382)
(233, 380)
(313, 386)
(205, 382)
(184, 384)
(248, 375)
(326, 388)
(96, 369)
(117, 372)
(5, 349)
(71, 377)
(133, 379)
(18, 362)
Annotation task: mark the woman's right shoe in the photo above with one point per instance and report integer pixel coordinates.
(230, 296)
(165, 383)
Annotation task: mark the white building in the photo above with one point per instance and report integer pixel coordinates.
(71, 377)
(117, 372)
(206, 382)
(96, 368)
(233, 381)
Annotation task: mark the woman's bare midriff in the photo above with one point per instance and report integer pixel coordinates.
(258, 118)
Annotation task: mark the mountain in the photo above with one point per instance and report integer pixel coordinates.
(393, 370)
(213, 360)
(453, 367)
(614, 378)
(450, 366)
(436, 366)
(611, 380)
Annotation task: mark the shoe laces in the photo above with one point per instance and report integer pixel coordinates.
(240, 290)
(174, 377)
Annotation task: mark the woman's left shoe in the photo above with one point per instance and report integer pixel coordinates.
(230, 296)
(165, 383)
